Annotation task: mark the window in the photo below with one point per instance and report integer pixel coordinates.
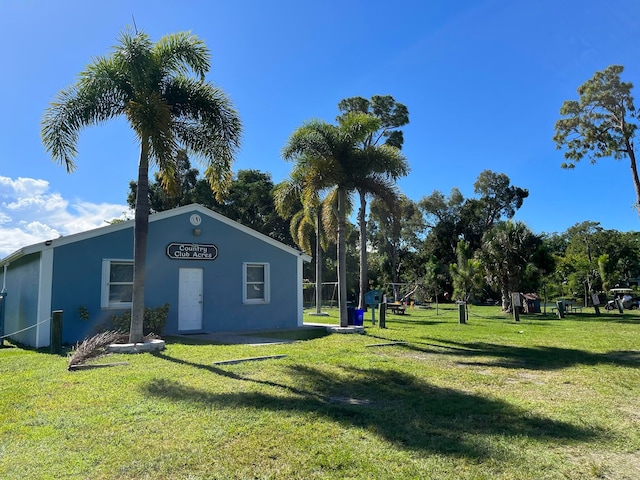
(255, 288)
(117, 283)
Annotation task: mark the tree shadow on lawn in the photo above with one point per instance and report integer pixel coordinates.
(587, 316)
(534, 358)
(10, 345)
(424, 321)
(398, 407)
(542, 318)
(626, 318)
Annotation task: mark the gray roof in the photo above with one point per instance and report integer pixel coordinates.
(115, 227)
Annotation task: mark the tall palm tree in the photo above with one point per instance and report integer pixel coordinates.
(305, 221)
(377, 176)
(330, 159)
(160, 89)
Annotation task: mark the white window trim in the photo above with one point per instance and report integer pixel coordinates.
(267, 284)
(106, 275)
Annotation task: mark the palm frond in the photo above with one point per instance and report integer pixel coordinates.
(302, 231)
(71, 111)
(382, 188)
(330, 211)
(357, 126)
(151, 120)
(387, 160)
(314, 140)
(199, 104)
(286, 196)
(180, 52)
(134, 59)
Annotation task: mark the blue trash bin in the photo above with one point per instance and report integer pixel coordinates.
(358, 318)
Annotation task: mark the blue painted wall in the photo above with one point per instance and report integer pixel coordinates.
(223, 309)
(22, 281)
(77, 281)
(77, 277)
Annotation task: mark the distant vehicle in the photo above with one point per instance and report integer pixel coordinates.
(623, 294)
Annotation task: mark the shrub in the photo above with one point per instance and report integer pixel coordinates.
(83, 313)
(154, 320)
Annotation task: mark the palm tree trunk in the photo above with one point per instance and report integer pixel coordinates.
(318, 262)
(342, 259)
(505, 299)
(141, 232)
(364, 284)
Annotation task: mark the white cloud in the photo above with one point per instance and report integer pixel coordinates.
(22, 187)
(30, 213)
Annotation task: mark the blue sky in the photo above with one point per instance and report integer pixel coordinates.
(483, 80)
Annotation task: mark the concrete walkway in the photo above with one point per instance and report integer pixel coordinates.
(337, 328)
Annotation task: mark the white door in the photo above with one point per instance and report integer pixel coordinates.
(190, 299)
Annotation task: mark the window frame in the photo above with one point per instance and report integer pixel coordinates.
(266, 284)
(106, 283)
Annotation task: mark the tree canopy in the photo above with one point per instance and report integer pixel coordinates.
(453, 217)
(601, 123)
(395, 237)
(392, 115)
(507, 249)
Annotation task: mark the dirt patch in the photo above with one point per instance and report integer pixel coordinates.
(611, 466)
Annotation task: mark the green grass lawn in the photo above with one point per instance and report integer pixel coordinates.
(492, 399)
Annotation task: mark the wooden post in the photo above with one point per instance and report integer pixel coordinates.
(462, 314)
(515, 306)
(56, 332)
(383, 315)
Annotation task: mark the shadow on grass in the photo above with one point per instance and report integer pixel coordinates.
(11, 345)
(628, 318)
(225, 373)
(604, 317)
(425, 321)
(298, 334)
(588, 315)
(398, 407)
(186, 340)
(534, 358)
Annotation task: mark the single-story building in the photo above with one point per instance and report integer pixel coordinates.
(216, 274)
